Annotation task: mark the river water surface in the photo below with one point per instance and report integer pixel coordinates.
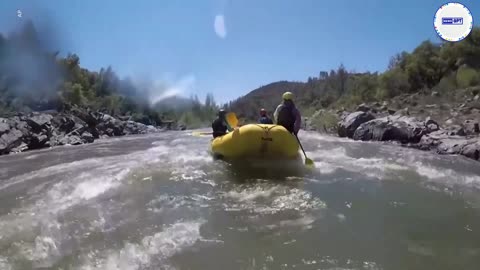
(161, 202)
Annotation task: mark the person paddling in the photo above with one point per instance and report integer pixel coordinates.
(220, 124)
(287, 115)
(264, 119)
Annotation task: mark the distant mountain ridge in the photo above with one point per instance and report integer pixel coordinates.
(267, 97)
(174, 103)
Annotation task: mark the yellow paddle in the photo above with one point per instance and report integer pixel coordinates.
(308, 162)
(232, 120)
(198, 133)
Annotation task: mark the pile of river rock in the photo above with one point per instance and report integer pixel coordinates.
(366, 124)
(39, 130)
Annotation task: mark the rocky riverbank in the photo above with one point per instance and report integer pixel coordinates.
(445, 123)
(377, 124)
(47, 129)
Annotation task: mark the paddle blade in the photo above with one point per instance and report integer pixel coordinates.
(232, 120)
(309, 163)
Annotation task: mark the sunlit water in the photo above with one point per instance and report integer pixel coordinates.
(161, 202)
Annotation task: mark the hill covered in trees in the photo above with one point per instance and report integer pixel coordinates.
(435, 73)
(33, 77)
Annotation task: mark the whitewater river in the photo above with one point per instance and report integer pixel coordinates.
(161, 202)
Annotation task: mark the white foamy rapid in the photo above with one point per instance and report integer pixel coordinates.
(162, 202)
(382, 161)
(56, 191)
(151, 251)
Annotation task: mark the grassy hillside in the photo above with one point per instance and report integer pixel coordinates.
(440, 70)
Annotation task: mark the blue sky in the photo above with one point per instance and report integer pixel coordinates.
(261, 41)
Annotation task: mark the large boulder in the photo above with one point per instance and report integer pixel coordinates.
(63, 123)
(451, 146)
(110, 126)
(347, 126)
(88, 117)
(9, 140)
(472, 149)
(37, 141)
(391, 128)
(132, 127)
(466, 147)
(433, 139)
(39, 122)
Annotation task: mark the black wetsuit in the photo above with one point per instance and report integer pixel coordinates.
(219, 128)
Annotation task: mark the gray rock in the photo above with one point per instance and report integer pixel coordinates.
(22, 147)
(63, 123)
(132, 127)
(39, 121)
(71, 140)
(38, 141)
(94, 132)
(87, 137)
(363, 108)
(429, 141)
(10, 140)
(88, 117)
(455, 130)
(110, 126)
(107, 118)
(471, 127)
(403, 112)
(443, 142)
(451, 146)
(472, 150)
(347, 127)
(38, 130)
(431, 125)
(4, 127)
(391, 128)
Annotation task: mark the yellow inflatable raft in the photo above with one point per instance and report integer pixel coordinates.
(257, 141)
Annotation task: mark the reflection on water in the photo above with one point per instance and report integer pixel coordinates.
(162, 202)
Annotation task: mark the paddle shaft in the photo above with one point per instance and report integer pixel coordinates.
(298, 140)
(201, 133)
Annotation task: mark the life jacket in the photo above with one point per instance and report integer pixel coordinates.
(286, 117)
